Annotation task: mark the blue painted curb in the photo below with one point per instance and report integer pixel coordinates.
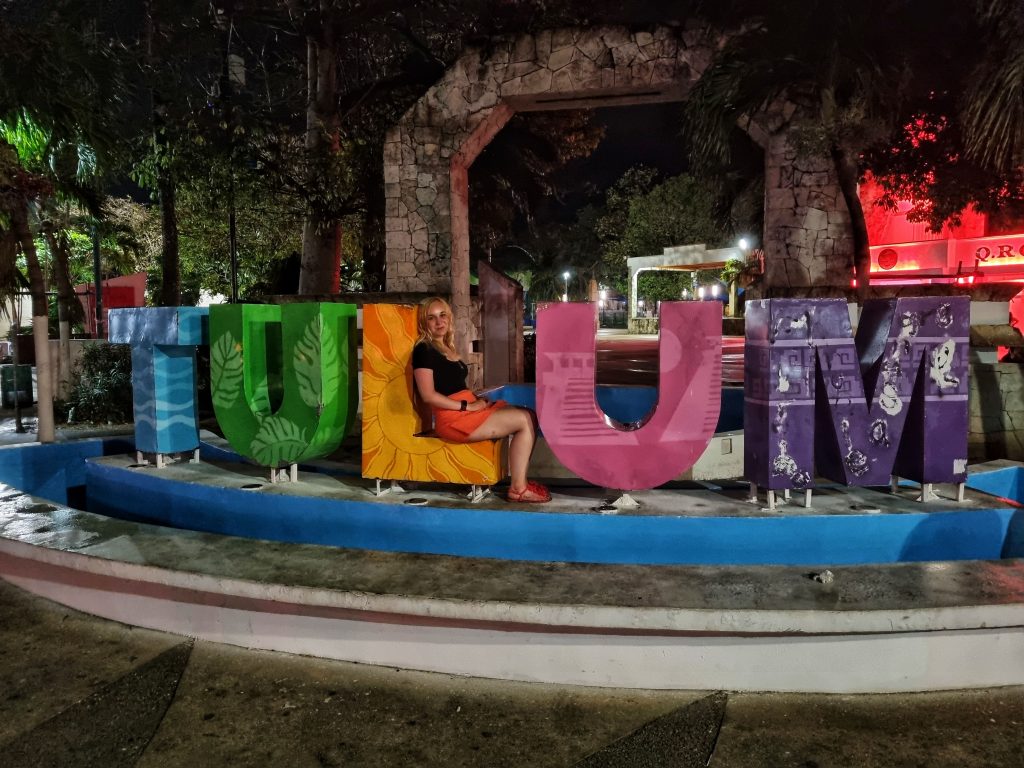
(545, 536)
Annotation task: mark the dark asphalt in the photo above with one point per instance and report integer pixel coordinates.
(624, 359)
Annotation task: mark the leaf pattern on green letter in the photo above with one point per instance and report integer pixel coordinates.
(278, 441)
(260, 400)
(316, 363)
(226, 371)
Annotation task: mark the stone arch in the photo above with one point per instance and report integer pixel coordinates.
(427, 155)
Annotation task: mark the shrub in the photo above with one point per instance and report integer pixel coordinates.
(101, 387)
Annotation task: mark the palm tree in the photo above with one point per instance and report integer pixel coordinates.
(842, 65)
(59, 87)
(994, 103)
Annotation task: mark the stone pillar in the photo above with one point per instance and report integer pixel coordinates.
(807, 238)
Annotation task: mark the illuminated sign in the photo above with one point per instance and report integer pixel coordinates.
(980, 258)
(1012, 248)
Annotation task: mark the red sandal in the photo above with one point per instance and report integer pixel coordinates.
(533, 493)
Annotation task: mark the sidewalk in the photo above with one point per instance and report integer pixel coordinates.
(80, 691)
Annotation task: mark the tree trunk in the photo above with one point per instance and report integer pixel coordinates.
(66, 306)
(15, 327)
(40, 325)
(321, 232)
(9, 278)
(374, 253)
(847, 174)
(170, 261)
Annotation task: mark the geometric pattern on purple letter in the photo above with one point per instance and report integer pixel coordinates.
(671, 438)
(779, 387)
(892, 401)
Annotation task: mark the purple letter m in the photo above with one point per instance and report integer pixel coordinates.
(894, 402)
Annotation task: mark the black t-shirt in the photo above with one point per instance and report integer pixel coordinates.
(449, 375)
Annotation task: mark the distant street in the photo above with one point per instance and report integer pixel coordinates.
(628, 359)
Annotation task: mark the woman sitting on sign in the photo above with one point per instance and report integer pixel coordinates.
(459, 415)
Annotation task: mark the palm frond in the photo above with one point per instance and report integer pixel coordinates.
(994, 103)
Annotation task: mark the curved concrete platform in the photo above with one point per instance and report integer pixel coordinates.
(694, 524)
(898, 627)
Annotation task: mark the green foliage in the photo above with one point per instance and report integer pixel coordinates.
(640, 217)
(663, 285)
(679, 211)
(927, 163)
(101, 387)
(520, 170)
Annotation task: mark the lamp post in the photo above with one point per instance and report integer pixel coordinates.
(565, 279)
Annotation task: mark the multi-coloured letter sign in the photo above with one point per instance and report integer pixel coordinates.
(283, 378)
(671, 438)
(817, 402)
(391, 449)
(893, 402)
(163, 342)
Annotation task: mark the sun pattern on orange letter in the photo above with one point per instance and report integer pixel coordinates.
(390, 422)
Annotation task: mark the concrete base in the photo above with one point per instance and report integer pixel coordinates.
(900, 627)
(890, 662)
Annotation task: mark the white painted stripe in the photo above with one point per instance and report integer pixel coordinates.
(871, 663)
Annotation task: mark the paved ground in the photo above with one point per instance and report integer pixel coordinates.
(79, 691)
(624, 358)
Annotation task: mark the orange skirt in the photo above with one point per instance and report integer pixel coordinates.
(456, 426)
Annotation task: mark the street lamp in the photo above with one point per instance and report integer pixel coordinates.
(700, 293)
(744, 244)
(565, 278)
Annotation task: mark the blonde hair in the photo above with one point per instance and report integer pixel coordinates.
(448, 343)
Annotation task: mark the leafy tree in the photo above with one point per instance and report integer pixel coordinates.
(678, 211)
(959, 143)
(522, 170)
(928, 163)
(53, 100)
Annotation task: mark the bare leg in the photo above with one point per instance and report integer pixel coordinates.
(517, 422)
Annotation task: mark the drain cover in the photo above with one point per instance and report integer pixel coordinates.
(416, 502)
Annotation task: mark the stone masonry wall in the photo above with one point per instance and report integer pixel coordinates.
(420, 151)
(807, 237)
(996, 427)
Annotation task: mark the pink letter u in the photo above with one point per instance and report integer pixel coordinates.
(671, 438)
